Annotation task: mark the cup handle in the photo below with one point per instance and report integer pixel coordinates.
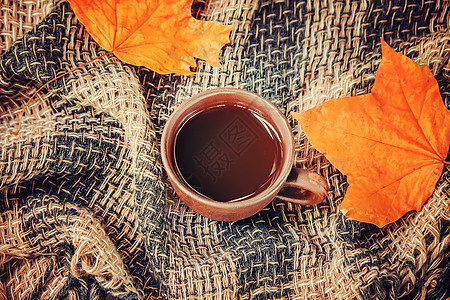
(303, 187)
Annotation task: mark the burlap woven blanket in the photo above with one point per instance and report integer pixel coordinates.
(86, 209)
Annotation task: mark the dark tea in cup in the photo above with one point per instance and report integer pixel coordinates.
(227, 152)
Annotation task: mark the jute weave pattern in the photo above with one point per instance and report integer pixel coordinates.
(86, 210)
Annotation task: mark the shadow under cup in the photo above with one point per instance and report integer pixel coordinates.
(227, 153)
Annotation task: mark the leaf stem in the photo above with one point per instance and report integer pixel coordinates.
(47, 83)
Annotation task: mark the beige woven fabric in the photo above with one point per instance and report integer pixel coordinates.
(20, 16)
(86, 209)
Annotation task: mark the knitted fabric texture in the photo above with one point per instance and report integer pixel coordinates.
(86, 210)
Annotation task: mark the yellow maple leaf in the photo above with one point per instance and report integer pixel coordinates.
(159, 34)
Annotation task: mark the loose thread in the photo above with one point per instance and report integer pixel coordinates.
(47, 83)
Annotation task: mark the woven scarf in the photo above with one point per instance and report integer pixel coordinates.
(86, 210)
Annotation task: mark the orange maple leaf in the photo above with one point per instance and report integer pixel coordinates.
(159, 34)
(391, 143)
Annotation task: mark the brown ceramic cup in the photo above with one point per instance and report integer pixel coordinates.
(289, 184)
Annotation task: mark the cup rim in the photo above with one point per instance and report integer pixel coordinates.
(269, 192)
